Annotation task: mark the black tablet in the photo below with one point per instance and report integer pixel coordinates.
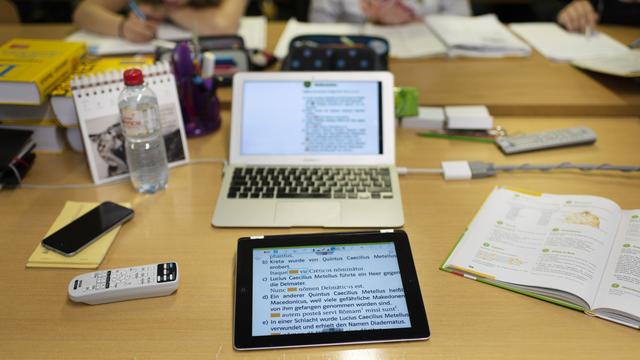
(327, 289)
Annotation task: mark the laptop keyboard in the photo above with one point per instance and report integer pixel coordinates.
(310, 183)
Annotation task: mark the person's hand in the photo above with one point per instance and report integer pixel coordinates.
(138, 30)
(578, 16)
(387, 12)
(157, 13)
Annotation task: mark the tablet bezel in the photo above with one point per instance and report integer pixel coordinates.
(243, 338)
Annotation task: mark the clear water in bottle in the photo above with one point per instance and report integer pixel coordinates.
(142, 129)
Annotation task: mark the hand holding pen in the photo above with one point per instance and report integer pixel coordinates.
(141, 25)
(579, 16)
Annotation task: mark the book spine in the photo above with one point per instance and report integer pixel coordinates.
(60, 71)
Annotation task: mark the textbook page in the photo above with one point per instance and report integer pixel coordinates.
(540, 240)
(413, 40)
(557, 44)
(479, 36)
(620, 286)
(295, 28)
(252, 29)
(109, 45)
(626, 64)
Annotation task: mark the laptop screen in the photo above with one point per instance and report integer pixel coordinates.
(323, 117)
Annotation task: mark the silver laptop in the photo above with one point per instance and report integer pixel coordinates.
(311, 149)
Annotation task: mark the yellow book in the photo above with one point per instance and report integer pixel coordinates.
(61, 98)
(89, 258)
(31, 69)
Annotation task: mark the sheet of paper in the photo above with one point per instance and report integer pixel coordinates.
(89, 258)
(295, 28)
(626, 64)
(408, 41)
(557, 44)
(480, 36)
(109, 45)
(252, 29)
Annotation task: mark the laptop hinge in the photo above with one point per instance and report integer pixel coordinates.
(257, 237)
(386, 231)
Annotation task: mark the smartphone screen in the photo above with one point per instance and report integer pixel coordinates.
(87, 228)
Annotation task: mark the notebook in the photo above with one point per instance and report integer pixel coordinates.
(478, 36)
(96, 100)
(311, 149)
(557, 44)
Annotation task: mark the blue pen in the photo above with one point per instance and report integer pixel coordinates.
(136, 10)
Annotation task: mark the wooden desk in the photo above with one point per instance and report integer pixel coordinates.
(518, 86)
(469, 320)
(515, 86)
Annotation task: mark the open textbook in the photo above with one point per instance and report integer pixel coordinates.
(253, 30)
(557, 44)
(478, 36)
(626, 64)
(578, 251)
(405, 41)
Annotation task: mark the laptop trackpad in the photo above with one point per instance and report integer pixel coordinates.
(307, 213)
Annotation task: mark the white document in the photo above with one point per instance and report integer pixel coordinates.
(109, 45)
(428, 118)
(626, 64)
(472, 117)
(408, 41)
(295, 28)
(480, 36)
(557, 44)
(252, 29)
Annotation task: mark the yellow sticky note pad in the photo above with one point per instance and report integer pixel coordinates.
(89, 258)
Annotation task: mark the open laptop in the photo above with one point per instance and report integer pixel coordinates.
(311, 149)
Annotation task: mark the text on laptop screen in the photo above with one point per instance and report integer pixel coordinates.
(311, 118)
(343, 287)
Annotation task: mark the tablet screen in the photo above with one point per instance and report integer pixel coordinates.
(327, 288)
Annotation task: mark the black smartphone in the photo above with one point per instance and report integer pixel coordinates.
(88, 228)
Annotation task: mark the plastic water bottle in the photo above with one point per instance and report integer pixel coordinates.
(142, 129)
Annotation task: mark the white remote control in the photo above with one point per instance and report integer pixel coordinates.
(545, 140)
(137, 282)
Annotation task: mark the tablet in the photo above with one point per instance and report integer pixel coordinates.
(327, 289)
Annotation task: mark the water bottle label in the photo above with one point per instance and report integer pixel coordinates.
(133, 122)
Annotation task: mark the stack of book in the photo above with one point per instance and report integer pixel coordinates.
(29, 71)
(35, 94)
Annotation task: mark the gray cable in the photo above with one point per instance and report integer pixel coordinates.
(88, 186)
(566, 165)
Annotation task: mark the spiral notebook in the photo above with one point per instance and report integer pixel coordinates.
(96, 100)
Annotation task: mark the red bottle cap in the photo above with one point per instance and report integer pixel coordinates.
(133, 77)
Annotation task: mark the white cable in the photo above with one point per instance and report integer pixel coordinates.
(405, 171)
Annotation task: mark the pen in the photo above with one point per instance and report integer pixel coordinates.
(457, 137)
(588, 32)
(136, 10)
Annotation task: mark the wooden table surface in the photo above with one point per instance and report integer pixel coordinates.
(515, 86)
(468, 319)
